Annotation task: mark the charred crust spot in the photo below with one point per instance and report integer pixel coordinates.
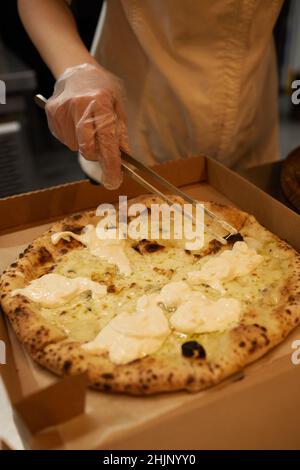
(42, 331)
(291, 298)
(288, 311)
(111, 289)
(190, 380)
(267, 341)
(214, 246)
(14, 265)
(21, 255)
(164, 272)
(63, 251)
(254, 346)
(193, 349)
(72, 228)
(236, 237)
(170, 377)
(18, 311)
(145, 387)
(107, 376)
(6, 284)
(44, 256)
(66, 366)
(153, 247)
(263, 328)
(146, 246)
(106, 387)
(76, 216)
(28, 248)
(242, 344)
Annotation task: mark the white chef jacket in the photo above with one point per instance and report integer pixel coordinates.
(200, 77)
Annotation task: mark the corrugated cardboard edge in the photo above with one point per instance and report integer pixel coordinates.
(49, 407)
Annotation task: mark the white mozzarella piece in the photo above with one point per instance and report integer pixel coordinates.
(230, 264)
(174, 293)
(148, 321)
(121, 348)
(112, 250)
(132, 336)
(204, 316)
(53, 290)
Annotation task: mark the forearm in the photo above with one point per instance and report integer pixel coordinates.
(52, 29)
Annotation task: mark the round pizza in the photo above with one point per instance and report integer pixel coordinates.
(148, 314)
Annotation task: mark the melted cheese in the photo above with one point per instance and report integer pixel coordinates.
(230, 264)
(200, 315)
(174, 293)
(132, 336)
(52, 290)
(112, 250)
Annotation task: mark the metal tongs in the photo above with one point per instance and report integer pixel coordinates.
(130, 165)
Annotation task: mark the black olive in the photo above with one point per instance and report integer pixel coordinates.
(236, 237)
(192, 348)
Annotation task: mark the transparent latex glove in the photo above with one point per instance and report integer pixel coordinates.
(86, 113)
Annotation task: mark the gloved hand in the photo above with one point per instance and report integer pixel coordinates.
(86, 114)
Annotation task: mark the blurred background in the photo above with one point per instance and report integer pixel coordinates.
(30, 158)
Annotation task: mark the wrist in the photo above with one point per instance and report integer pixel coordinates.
(74, 60)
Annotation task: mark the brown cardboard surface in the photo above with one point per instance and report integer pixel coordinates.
(262, 418)
(47, 407)
(180, 420)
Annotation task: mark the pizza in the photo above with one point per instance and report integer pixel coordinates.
(143, 316)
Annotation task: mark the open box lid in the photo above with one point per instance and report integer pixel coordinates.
(59, 404)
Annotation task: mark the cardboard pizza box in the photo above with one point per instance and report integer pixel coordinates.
(254, 409)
